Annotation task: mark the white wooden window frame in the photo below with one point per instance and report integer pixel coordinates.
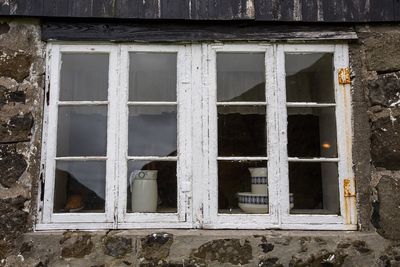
(197, 156)
(52, 220)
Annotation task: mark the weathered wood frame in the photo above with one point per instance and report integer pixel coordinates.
(197, 135)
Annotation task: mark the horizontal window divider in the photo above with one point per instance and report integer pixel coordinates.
(81, 103)
(242, 158)
(152, 103)
(247, 103)
(310, 105)
(81, 158)
(296, 159)
(152, 158)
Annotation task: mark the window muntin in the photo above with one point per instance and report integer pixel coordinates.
(197, 163)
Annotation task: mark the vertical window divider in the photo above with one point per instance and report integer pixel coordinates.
(199, 183)
(183, 136)
(212, 136)
(115, 109)
(272, 132)
(283, 165)
(123, 132)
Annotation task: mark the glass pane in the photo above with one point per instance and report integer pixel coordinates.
(314, 188)
(82, 131)
(80, 186)
(152, 186)
(309, 77)
(152, 76)
(241, 76)
(242, 187)
(84, 77)
(152, 131)
(242, 131)
(312, 132)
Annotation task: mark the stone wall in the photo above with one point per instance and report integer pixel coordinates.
(177, 248)
(21, 90)
(375, 63)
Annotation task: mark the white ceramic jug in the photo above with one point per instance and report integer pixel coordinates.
(143, 184)
(259, 180)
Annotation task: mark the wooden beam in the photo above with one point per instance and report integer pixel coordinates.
(172, 32)
(349, 11)
(325, 10)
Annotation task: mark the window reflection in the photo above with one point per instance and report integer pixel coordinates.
(242, 131)
(82, 131)
(152, 76)
(309, 77)
(314, 186)
(240, 77)
(80, 186)
(312, 132)
(84, 77)
(152, 131)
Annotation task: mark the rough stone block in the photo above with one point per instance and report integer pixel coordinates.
(387, 207)
(7, 96)
(4, 28)
(156, 246)
(117, 246)
(382, 51)
(233, 251)
(13, 220)
(385, 140)
(12, 165)
(15, 64)
(17, 129)
(76, 245)
(385, 90)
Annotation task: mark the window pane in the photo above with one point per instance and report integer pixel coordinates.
(80, 186)
(152, 131)
(82, 131)
(312, 132)
(314, 187)
(152, 76)
(84, 77)
(242, 131)
(241, 76)
(242, 187)
(152, 186)
(309, 77)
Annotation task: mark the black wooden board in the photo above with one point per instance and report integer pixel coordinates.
(396, 5)
(325, 10)
(258, 10)
(173, 32)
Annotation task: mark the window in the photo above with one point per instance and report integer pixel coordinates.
(212, 136)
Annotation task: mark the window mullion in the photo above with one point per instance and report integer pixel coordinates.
(183, 138)
(282, 161)
(121, 163)
(112, 138)
(273, 132)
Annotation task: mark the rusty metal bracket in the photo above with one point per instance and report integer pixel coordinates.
(348, 188)
(344, 76)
